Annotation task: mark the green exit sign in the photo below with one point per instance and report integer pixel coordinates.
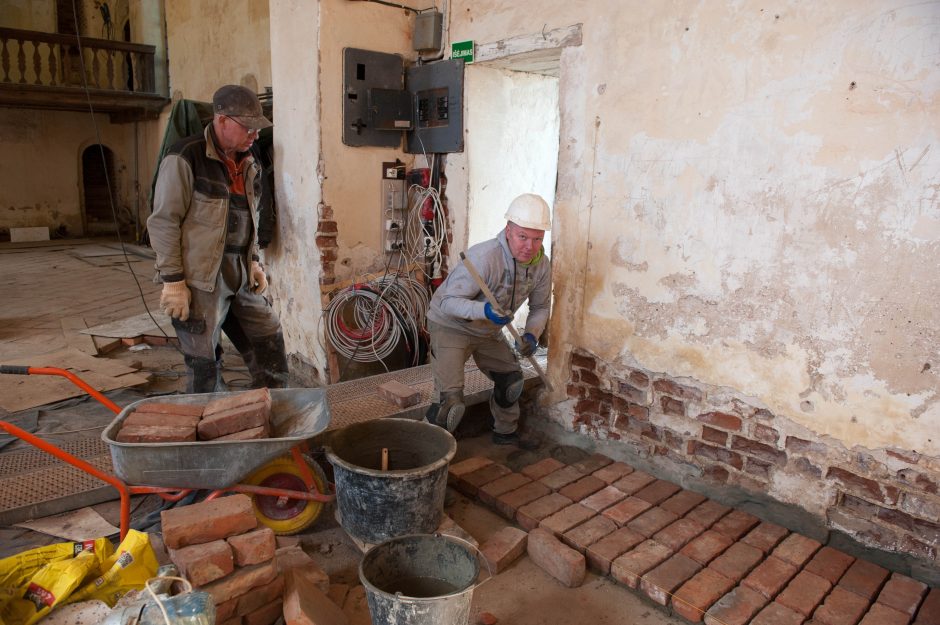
(462, 50)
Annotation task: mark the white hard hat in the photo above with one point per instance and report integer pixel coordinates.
(530, 211)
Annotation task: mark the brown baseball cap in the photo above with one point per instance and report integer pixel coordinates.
(242, 104)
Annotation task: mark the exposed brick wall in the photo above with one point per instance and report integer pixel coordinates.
(886, 499)
(327, 232)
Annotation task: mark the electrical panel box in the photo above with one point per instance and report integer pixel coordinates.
(438, 116)
(428, 31)
(381, 101)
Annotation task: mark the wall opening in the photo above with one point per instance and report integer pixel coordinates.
(97, 173)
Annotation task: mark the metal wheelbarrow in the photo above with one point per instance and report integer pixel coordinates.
(287, 488)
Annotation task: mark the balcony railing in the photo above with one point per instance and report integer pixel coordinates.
(45, 70)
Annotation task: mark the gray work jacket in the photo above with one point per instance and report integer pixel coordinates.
(458, 303)
(190, 211)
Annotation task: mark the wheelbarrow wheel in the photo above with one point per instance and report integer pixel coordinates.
(293, 515)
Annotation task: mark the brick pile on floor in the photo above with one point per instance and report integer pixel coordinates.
(219, 547)
(705, 561)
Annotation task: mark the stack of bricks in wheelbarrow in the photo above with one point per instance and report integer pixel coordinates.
(234, 417)
(703, 560)
(220, 549)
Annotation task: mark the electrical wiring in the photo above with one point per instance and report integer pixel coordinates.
(423, 242)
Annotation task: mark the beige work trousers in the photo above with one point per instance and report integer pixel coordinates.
(449, 352)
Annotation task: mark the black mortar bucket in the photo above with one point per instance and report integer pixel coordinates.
(420, 580)
(408, 498)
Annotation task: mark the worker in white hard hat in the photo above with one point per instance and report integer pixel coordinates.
(463, 323)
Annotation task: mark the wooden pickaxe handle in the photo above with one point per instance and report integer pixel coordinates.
(492, 300)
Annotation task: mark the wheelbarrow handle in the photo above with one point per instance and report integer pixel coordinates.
(71, 377)
(14, 369)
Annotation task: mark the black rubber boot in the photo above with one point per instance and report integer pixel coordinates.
(513, 438)
(203, 374)
(269, 366)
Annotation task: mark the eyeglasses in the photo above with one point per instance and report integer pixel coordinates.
(250, 131)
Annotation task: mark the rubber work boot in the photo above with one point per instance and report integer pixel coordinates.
(203, 374)
(513, 438)
(269, 365)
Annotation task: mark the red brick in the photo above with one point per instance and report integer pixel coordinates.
(253, 547)
(737, 561)
(707, 547)
(603, 499)
(585, 487)
(558, 560)
(305, 604)
(675, 389)
(607, 549)
(295, 561)
(718, 454)
(238, 400)
(155, 434)
(902, 593)
(194, 410)
(205, 563)
(489, 493)
(592, 463)
(682, 502)
(698, 594)
(130, 341)
(226, 610)
(241, 581)
(864, 487)
(804, 593)
(880, 614)
(634, 482)
(797, 549)
(530, 515)
(401, 395)
(626, 510)
(657, 492)
(207, 521)
(651, 521)
(166, 420)
(735, 524)
(766, 536)
(721, 420)
(542, 468)
(588, 533)
(864, 579)
(776, 614)
(929, 613)
(830, 564)
(234, 420)
(766, 453)
(464, 467)
(264, 616)
(770, 576)
(708, 512)
(263, 431)
(585, 362)
(562, 477)
(567, 518)
(736, 608)
(841, 608)
(632, 565)
(678, 533)
(659, 583)
(613, 472)
(504, 547)
(719, 437)
(470, 483)
(260, 596)
(509, 503)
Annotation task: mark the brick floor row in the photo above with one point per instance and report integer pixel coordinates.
(707, 562)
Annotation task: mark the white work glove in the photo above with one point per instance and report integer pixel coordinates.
(258, 282)
(175, 298)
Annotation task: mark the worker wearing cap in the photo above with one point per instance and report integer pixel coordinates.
(204, 230)
(463, 323)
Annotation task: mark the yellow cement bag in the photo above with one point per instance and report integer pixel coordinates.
(47, 588)
(132, 564)
(17, 570)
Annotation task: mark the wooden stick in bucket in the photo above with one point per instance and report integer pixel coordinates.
(385, 458)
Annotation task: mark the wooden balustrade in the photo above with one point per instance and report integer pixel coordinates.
(30, 58)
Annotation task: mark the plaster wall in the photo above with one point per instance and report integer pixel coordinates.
(211, 44)
(29, 15)
(41, 166)
(749, 198)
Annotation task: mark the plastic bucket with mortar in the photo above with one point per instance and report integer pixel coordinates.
(420, 580)
(407, 498)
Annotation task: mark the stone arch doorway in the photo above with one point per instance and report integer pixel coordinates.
(97, 184)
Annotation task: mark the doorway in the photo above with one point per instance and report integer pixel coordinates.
(514, 117)
(97, 173)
